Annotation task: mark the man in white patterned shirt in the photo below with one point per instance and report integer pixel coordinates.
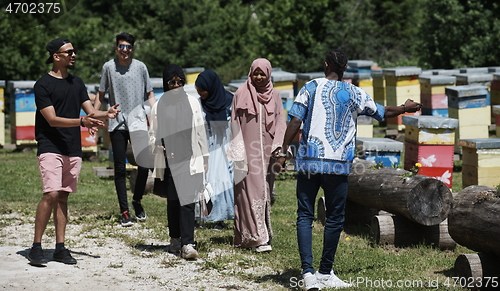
(328, 107)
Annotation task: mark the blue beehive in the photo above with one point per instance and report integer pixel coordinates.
(385, 150)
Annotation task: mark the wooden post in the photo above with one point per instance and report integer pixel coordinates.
(477, 271)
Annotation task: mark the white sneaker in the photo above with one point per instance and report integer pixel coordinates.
(188, 252)
(331, 281)
(175, 245)
(310, 282)
(263, 248)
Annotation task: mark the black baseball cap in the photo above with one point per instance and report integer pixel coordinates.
(53, 46)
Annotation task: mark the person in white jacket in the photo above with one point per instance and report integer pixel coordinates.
(178, 139)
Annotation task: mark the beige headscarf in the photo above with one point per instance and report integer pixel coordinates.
(247, 96)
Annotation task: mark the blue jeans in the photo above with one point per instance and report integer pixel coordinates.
(335, 188)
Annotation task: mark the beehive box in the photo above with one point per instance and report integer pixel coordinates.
(433, 94)
(385, 150)
(363, 81)
(481, 161)
(432, 130)
(364, 126)
(429, 140)
(303, 78)
(378, 86)
(469, 104)
(22, 112)
(285, 83)
(359, 66)
(192, 74)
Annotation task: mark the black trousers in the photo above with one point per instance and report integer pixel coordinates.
(119, 141)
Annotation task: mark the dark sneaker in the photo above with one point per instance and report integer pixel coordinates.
(64, 256)
(35, 256)
(126, 220)
(140, 214)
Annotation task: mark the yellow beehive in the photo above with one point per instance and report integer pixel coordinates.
(402, 80)
(481, 161)
(402, 93)
(192, 74)
(471, 116)
(364, 130)
(427, 88)
(24, 118)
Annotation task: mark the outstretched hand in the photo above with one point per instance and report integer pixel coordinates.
(412, 106)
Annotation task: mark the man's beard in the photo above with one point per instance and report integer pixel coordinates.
(71, 67)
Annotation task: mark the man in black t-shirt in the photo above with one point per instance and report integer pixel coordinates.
(59, 96)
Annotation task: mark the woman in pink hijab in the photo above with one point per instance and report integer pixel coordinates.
(258, 127)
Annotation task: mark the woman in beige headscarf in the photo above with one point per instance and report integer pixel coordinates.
(258, 127)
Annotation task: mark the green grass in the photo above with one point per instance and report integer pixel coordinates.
(96, 206)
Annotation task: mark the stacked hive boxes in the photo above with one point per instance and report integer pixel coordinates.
(362, 77)
(285, 83)
(468, 104)
(22, 112)
(476, 78)
(432, 94)
(378, 87)
(2, 114)
(401, 84)
(429, 140)
(383, 150)
(481, 162)
(496, 114)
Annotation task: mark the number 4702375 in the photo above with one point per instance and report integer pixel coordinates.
(33, 8)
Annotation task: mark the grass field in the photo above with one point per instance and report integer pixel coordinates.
(95, 205)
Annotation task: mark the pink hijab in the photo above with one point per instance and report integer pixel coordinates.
(248, 96)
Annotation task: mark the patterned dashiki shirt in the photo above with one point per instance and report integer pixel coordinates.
(329, 110)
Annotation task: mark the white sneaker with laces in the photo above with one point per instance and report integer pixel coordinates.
(175, 245)
(188, 252)
(331, 281)
(310, 282)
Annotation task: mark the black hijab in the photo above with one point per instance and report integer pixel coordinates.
(218, 98)
(170, 71)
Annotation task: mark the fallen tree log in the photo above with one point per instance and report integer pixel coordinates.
(477, 272)
(400, 232)
(475, 218)
(421, 199)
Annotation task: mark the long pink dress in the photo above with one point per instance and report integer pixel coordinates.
(252, 195)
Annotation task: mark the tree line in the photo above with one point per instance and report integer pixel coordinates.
(226, 35)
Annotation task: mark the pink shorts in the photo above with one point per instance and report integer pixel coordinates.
(58, 172)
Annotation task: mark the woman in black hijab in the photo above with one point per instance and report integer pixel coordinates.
(179, 135)
(216, 103)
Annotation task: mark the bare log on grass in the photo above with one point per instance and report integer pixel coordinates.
(399, 231)
(421, 199)
(474, 219)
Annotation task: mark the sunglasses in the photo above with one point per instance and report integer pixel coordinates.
(69, 52)
(176, 82)
(123, 46)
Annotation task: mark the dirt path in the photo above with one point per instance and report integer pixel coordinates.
(106, 263)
